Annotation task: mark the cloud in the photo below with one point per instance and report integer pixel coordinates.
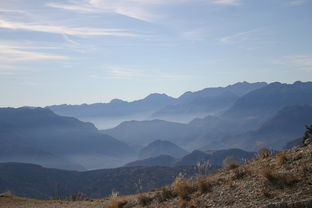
(132, 73)
(74, 31)
(297, 2)
(15, 53)
(302, 62)
(239, 37)
(143, 10)
(227, 2)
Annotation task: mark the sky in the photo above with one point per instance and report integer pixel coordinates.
(90, 51)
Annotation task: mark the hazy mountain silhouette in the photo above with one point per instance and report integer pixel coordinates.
(161, 147)
(264, 102)
(161, 160)
(113, 113)
(34, 181)
(38, 130)
(215, 158)
(209, 100)
(159, 106)
(141, 133)
(248, 114)
(276, 132)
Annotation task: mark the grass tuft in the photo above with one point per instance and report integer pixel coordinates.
(117, 204)
(144, 200)
(183, 189)
(281, 158)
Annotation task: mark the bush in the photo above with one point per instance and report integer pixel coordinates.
(165, 194)
(264, 153)
(144, 200)
(279, 180)
(117, 204)
(203, 186)
(281, 158)
(183, 189)
(239, 174)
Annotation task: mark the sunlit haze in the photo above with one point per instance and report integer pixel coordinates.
(87, 51)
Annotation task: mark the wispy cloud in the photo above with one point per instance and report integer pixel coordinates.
(297, 2)
(75, 31)
(15, 53)
(227, 2)
(138, 9)
(302, 62)
(239, 37)
(132, 73)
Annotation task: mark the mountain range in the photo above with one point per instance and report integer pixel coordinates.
(241, 126)
(188, 106)
(215, 158)
(37, 135)
(261, 115)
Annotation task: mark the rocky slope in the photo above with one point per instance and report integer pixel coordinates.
(282, 180)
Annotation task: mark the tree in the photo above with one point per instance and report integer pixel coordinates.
(307, 138)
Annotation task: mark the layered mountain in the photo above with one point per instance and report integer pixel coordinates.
(266, 101)
(276, 132)
(159, 106)
(161, 147)
(207, 101)
(30, 134)
(106, 115)
(216, 158)
(237, 127)
(34, 181)
(161, 160)
(141, 133)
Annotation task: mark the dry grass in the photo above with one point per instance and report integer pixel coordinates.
(183, 188)
(265, 191)
(239, 174)
(165, 194)
(279, 180)
(281, 158)
(264, 153)
(269, 175)
(203, 186)
(230, 164)
(117, 204)
(144, 200)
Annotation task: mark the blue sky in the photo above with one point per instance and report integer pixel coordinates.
(87, 51)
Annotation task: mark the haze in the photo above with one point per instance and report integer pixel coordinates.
(88, 51)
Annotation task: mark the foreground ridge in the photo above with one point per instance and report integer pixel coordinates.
(268, 181)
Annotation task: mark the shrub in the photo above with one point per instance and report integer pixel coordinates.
(290, 180)
(144, 200)
(117, 204)
(182, 188)
(264, 153)
(203, 186)
(239, 174)
(269, 175)
(279, 180)
(164, 194)
(265, 192)
(230, 163)
(281, 158)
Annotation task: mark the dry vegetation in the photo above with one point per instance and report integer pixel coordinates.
(282, 180)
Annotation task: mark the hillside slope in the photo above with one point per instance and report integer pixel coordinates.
(283, 180)
(34, 181)
(280, 181)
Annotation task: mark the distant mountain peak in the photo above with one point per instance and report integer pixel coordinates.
(117, 101)
(161, 147)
